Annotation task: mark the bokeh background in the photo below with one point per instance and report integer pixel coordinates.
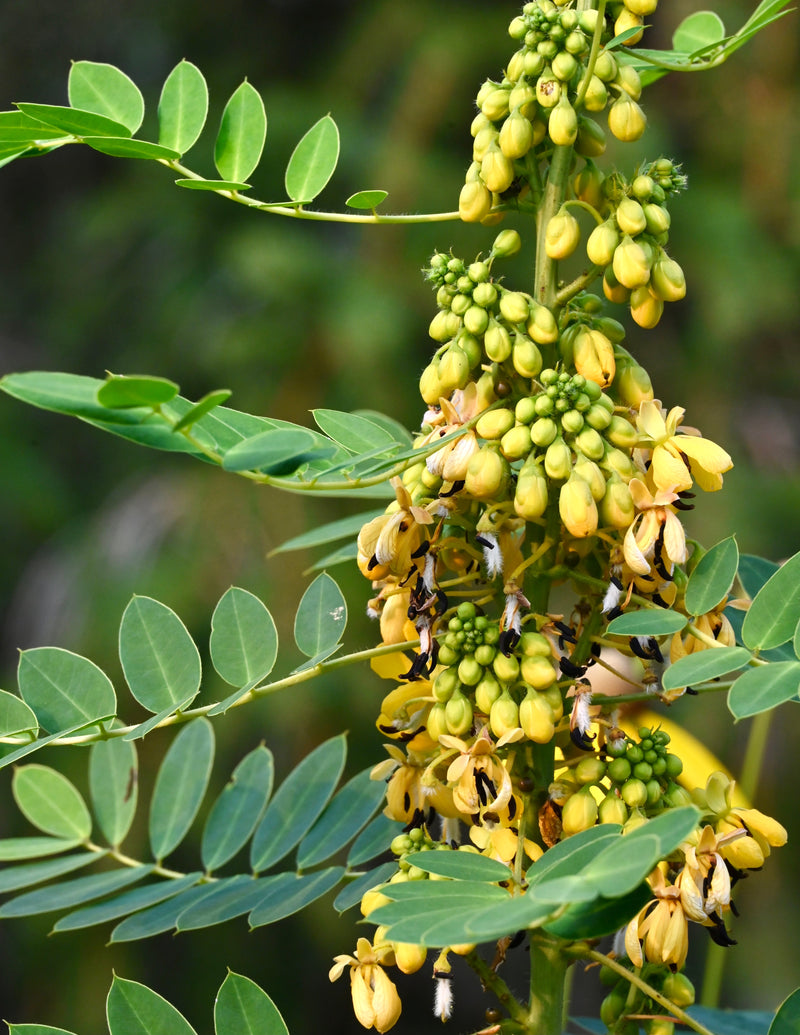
(107, 266)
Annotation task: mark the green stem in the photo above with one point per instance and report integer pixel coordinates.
(549, 965)
(498, 987)
(554, 193)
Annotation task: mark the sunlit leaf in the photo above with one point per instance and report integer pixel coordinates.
(367, 199)
(241, 136)
(775, 611)
(51, 802)
(238, 808)
(321, 617)
(297, 803)
(704, 665)
(106, 90)
(125, 147)
(36, 1029)
(113, 783)
(120, 391)
(712, 578)
(75, 892)
(203, 406)
(313, 161)
(347, 813)
(274, 452)
(182, 107)
(328, 533)
(159, 658)
(71, 120)
(128, 902)
(764, 687)
(16, 716)
(298, 892)
(569, 856)
(194, 184)
(12, 848)
(244, 640)
(699, 30)
(63, 688)
(461, 866)
(648, 621)
(242, 1008)
(180, 785)
(134, 1009)
(353, 432)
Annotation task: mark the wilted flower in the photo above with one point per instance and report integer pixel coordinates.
(376, 1003)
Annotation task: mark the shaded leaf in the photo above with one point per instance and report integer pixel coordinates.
(279, 451)
(209, 402)
(70, 893)
(105, 89)
(159, 918)
(438, 913)
(125, 147)
(51, 802)
(754, 572)
(121, 391)
(704, 665)
(36, 1029)
(699, 30)
(76, 122)
(732, 1022)
(367, 199)
(159, 658)
(180, 786)
(297, 803)
(712, 578)
(182, 107)
(126, 903)
(241, 136)
(230, 897)
(347, 813)
(228, 702)
(12, 878)
(295, 894)
(461, 866)
(355, 433)
(654, 621)
(64, 688)
(313, 161)
(352, 894)
(328, 533)
(330, 560)
(571, 855)
(238, 808)
(787, 1017)
(35, 745)
(775, 611)
(16, 716)
(242, 1008)
(244, 640)
(141, 730)
(194, 184)
(321, 617)
(33, 847)
(600, 917)
(113, 784)
(135, 1009)
(764, 687)
(373, 840)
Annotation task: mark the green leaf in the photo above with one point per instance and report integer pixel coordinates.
(140, 731)
(12, 878)
(601, 916)
(787, 1018)
(242, 132)
(72, 892)
(439, 913)
(229, 897)
(36, 1029)
(295, 894)
(159, 918)
(182, 107)
(328, 533)
(461, 866)
(321, 617)
(126, 903)
(367, 199)
(125, 147)
(347, 813)
(355, 433)
(276, 452)
(113, 782)
(77, 123)
(35, 745)
(732, 1022)
(51, 802)
(568, 857)
(400, 434)
(242, 1008)
(767, 686)
(655, 621)
(228, 702)
(341, 555)
(323, 655)
(698, 31)
(159, 658)
(33, 847)
(180, 785)
(297, 803)
(16, 128)
(196, 184)
(796, 641)
(134, 1009)
(313, 161)
(704, 665)
(712, 578)
(238, 809)
(16, 716)
(244, 640)
(754, 572)
(120, 391)
(209, 402)
(63, 688)
(373, 840)
(352, 894)
(106, 90)
(775, 611)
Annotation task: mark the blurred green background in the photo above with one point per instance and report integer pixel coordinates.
(106, 265)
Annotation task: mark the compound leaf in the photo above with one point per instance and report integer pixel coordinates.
(294, 894)
(73, 892)
(126, 903)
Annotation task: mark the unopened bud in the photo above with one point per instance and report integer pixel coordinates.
(602, 243)
(474, 202)
(562, 126)
(579, 813)
(646, 309)
(536, 718)
(504, 714)
(630, 216)
(626, 120)
(577, 507)
(516, 135)
(667, 279)
(630, 264)
(506, 244)
(562, 235)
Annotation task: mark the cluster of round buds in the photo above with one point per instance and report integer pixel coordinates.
(630, 244)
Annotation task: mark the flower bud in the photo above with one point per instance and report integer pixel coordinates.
(612, 289)
(458, 715)
(616, 506)
(409, 958)
(643, 8)
(597, 416)
(516, 443)
(454, 370)
(474, 202)
(496, 344)
(558, 460)
(514, 306)
(679, 990)
(515, 68)
(437, 722)
(444, 326)
(495, 423)
(487, 476)
(482, 142)
(630, 264)
(628, 20)
(495, 104)
(613, 809)
(572, 421)
(564, 66)
(476, 320)
(617, 462)
(589, 442)
(592, 475)
(497, 171)
(602, 243)
(543, 431)
(646, 309)
(532, 495)
(548, 90)
(486, 693)
(562, 126)
(630, 81)
(504, 714)
(621, 433)
(577, 507)
(506, 244)
(536, 718)
(626, 120)
(523, 97)
(516, 135)
(594, 356)
(658, 219)
(579, 813)
(587, 185)
(630, 217)
(430, 387)
(632, 385)
(591, 140)
(562, 235)
(537, 670)
(606, 66)
(534, 64)
(590, 769)
(542, 325)
(596, 97)
(526, 357)
(667, 281)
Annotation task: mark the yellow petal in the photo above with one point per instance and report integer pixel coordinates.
(769, 828)
(651, 421)
(668, 470)
(674, 538)
(704, 453)
(362, 997)
(634, 557)
(633, 946)
(386, 1003)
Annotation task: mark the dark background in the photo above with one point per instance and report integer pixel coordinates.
(106, 265)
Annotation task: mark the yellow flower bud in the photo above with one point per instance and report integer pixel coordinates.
(589, 442)
(588, 184)
(596, 97)
(630, 217)
(630, 81)
(506, 244)
(526, 357)
(538, 671)
(497, 171)
(488, 475)
(514, 306)
(630, 264)
(612, 809)
(536, 718)
(621, 433)
(632, 383)
(548, 90)
(516, 443)
(626, 120)
(454, 369)
(594, 356)
(504, 714)
(562, 235)
(409, 958)
(612, 289)
(643, 8)
(562, 125)
(483, 141)
(579, 813)
(458, 714)
(602, 243)
(495, 423)
(523, 98)
(616, 507)
(542, 325)
(658, 219)
(558, 460)
(592, 475)
(628, 20)
(667, 280)
(516, 135)
(495, 104)
(430, 387)
(591, 140)
(486, 693)
(531, 496)
(577, 507)
(444, 326)
(646, 309)
(474, 202)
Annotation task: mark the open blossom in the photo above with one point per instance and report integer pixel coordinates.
(656, 534)
(376, 1003)
(679, 459)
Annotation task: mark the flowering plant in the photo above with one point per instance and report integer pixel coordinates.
(531, 577)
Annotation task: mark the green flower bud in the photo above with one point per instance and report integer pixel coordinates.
(517, 28)
(543, 431)
(621, 433)
(630, 264)
(558, 460)
(592, 475)
(542, 325)
(562, 235)
(646, 309)
(516, 66)
(606, 66)
(471, 347)
(444, 326)
(613, 329)
(484, 654)
(506, 244)
(602, 243)
(537, 670)
(458, 715)
(532, 494)
(667, 280)
(679, 990)
(494, 423)
(459, 304)
(534, 644)
(591, 140)
(634, 793)
(454, 367)
(445, 684)
(628, 78)
(474, 202)
(564, 66)
(504, 714)
(562, 125)
(533, 64)
(536, 718)
(572, 422)
(476, 320)
(469, 672)
(577, 507)
(497, 171)
(495, 104)
(516, 135)
(514, 306)
(589, 442)
(617, 462)
(506, 668)
(614, 1003)
(596, 94)
(613, 809)
(548, 90)
(524, 410)
(526, 357)
(597, 416)
(619, 769)
(658, 219)
(590, 770)
(616, 506)
(626, 120)
(486, 693)
(630, 217)
(579, 812)
(587, 20)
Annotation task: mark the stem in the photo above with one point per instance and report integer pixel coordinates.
(496, 985)
(549, 966)
(554, 194)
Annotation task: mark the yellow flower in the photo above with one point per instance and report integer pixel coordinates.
(481, 780)
(704, 882)
(656, 532)
(763, 833)
(679, 458)
(413, 788)
(500, 842)
(660, 928)
(376, 1003)
(392, 543)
